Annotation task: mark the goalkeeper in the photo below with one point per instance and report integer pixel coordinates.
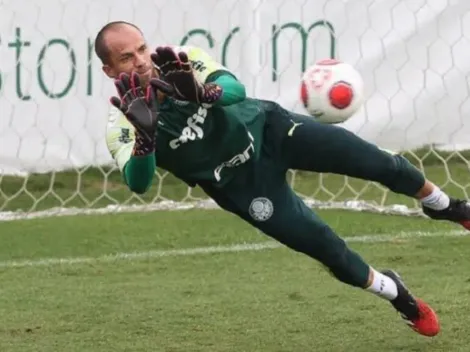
(180, 110)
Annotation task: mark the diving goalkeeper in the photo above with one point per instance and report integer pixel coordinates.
(179, 109)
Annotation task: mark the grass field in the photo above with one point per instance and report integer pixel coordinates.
(194, 281)
(202, 280)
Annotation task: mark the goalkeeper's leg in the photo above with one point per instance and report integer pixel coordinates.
(309, 145)
(281, 214)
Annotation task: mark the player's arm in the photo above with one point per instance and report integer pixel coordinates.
(189, 73)
(131, 132)
(137, 171)
(208, 70)
(233, 91)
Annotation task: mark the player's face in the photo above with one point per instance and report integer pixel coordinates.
(128, 52)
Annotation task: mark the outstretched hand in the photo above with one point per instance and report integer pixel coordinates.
(177, 78)
(140, 108)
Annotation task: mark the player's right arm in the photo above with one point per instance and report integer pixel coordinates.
(131, 131)
(137, 171)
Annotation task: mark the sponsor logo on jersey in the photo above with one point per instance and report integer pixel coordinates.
(193, 130)
(198, 65)
(179, 102)
(125, 136)
(238, 159)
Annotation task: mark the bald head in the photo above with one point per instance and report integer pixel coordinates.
(101, 47)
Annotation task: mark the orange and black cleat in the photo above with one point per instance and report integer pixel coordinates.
(416, 313)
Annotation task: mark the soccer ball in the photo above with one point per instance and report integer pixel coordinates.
(331, 91)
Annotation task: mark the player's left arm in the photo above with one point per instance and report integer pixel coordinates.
(207, 70)
(233, 91)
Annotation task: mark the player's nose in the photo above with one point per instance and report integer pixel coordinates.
(140, 61)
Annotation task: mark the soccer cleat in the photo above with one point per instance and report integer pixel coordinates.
(458, 211)
(415, 312)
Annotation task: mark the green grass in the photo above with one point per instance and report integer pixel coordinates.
(265, 301)
(94, 187)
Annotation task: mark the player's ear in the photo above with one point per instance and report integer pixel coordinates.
(108, 71)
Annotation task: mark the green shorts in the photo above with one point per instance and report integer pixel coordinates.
(260, 194)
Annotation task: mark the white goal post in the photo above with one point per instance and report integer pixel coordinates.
(413, 56)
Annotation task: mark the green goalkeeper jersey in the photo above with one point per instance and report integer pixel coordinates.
(195, 142)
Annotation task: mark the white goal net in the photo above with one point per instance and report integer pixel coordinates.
(413, 55)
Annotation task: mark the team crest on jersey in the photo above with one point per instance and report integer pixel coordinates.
(261, 209)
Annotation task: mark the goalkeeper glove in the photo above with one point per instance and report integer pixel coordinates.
(140, 109)
(177, 79)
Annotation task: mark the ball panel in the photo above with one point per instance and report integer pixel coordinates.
(341, 95)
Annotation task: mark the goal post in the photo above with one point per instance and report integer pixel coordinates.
(413, 56)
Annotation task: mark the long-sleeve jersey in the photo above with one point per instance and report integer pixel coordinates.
(196, 143)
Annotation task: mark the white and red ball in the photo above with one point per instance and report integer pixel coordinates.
(332, 91)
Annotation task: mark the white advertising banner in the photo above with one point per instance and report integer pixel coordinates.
(413, 55)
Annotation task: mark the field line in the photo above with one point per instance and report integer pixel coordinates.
(242, 247)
